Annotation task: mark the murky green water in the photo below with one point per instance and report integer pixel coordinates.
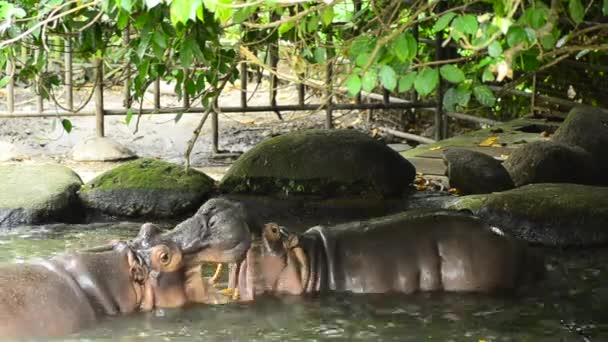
(576, 292)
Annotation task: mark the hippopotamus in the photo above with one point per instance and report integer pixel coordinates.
(435, 250)
(69, 292)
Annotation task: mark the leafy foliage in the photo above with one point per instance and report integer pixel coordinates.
(374, 45)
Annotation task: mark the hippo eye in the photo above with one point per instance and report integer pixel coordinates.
(164, 258)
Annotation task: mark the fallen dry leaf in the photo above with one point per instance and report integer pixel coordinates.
(489, 142)
(435, 148)
(454, 191)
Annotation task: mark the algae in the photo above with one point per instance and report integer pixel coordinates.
(150, 174)
(320, 162)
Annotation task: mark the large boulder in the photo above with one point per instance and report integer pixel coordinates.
(473, 172)
(323, 163)
(549, 214)
(587, 127)
(147, 188)
(551, 162)
(36, 194)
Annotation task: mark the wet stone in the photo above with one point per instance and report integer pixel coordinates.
(147, 188)
(36, 194)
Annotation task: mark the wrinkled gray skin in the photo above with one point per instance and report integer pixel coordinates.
(61, 295)
(403, 253)
(66, 293)
(218, 232)
(406, 252)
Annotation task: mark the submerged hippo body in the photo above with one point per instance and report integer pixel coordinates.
(64, 294)
(67, 293)
(405, 252)
(433, 251)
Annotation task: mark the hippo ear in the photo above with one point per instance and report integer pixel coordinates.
(146, 233)
(165, 259)
(136, 270)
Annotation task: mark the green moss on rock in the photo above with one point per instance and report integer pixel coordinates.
(551, 214)
(147, 188)
(320, 162)
(150, 174)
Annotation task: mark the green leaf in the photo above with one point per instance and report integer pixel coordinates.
(516, 35)
(127, 5)
(406, 82)
(159, 39)
(152, 3)
(605, 7)
(388, 77)
(369, 80)
(494, 49)
(577, 11)
(178, 116)
(444, 21)
(466, 24)
(484, 95)
(128, 116)
(426, 81)
(185, 54)
(4, 81)
(353, 84)
(456, 96)
(285, 27)
(67, 125)
(183, 10)
(327, 16)
(451, 73)
(320, 54)
(405, 47)
(487, 75)
(362, 59)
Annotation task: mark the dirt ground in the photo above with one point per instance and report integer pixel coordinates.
(41, 140)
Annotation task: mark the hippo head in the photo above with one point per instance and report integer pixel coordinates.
(217, 233)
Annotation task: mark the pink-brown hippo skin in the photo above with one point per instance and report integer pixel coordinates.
(67, 293)
(406, 252)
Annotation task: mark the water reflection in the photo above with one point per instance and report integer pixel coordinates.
(576, 292)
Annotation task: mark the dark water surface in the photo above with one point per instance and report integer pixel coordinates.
(576, 292)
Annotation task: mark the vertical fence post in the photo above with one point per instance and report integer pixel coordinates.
(10, 87)
(98, 64)
(412, 94)
(329, 80)
(38, 80)
(126, 38)
(440, 130)
(215, 129)
(68, 87)
(244, 81)
(533, 98)
(157, 93)
(185, 95)
(273, 60)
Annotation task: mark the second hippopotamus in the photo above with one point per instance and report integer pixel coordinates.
(66, 293)
(405, 252)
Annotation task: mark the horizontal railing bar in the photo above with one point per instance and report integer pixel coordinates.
(196, 110)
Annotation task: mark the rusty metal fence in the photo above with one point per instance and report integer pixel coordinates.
(366, 101)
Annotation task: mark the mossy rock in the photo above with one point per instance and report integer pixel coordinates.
(147, 188)
(473, 172)
(551, 162)
(323, 163)
(587, 128)
(36, 194)
(549, 214)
